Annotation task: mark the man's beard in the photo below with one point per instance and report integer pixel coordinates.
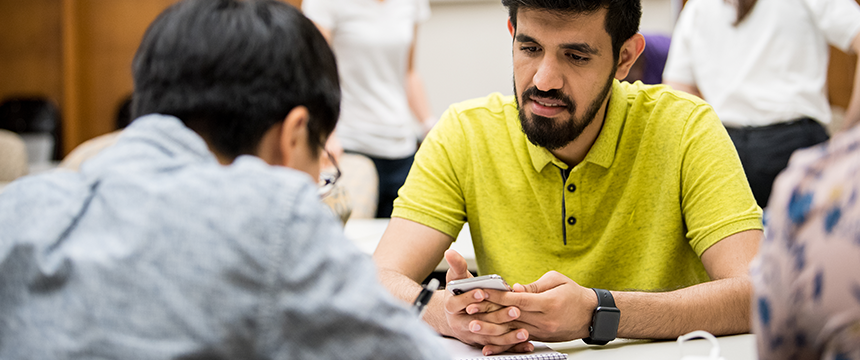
(546, 132)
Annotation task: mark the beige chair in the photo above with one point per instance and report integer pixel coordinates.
(88, 149)
(354, 195)
(13, 157)
(361, 183)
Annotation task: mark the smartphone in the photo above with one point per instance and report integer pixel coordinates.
(493, 282)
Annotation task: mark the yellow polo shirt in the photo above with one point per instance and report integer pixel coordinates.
(660, 185)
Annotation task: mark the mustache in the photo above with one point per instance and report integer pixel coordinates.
(554, 94)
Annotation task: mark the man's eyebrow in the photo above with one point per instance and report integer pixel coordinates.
(525, 39)
(581, 47)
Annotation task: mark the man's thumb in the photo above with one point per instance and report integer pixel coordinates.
(457, 266)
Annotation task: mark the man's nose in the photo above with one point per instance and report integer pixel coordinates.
(548, 75)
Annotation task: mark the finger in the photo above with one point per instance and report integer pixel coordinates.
(458, 303)
(498, 334)
(482, 307)
(546, 282)
(458, 268)
(522, 347)
(501, 316)
(529, 297)
(525, 301)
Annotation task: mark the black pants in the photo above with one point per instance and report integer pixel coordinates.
(392, 174)
(765, 150)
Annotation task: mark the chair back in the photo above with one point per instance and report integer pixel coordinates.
(13, 162)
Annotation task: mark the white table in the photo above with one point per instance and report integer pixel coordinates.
(736, 347)
(366, 233)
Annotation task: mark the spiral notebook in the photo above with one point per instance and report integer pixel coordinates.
(461, 351)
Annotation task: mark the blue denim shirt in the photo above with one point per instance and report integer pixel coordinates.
(155, 250)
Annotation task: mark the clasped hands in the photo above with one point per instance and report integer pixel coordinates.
(553, 308)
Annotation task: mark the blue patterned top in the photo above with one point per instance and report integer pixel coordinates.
(806, 302)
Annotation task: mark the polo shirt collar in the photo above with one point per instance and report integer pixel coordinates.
(602, 153)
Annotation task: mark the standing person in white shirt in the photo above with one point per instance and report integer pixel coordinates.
(374, 41)
(762, 65)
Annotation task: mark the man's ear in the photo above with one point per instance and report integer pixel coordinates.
(511, 28)
(294, 134)
(630, 51)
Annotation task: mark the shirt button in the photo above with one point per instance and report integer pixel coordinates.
(571, 188)
(571, 220)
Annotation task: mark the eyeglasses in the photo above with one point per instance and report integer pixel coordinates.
(327, 180)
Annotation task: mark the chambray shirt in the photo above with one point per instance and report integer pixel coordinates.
(155, 251)
(806, 302)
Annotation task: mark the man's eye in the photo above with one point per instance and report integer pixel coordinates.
(529, 49)
(577, 58)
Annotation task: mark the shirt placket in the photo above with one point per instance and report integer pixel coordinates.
(568, 198)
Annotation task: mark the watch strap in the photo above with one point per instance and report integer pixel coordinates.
(604, 298)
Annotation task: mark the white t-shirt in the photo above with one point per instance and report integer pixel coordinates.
(772, 67)
(371, 40)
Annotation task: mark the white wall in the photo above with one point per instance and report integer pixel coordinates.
(464, 50)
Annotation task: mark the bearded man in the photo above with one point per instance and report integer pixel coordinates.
(622, 208)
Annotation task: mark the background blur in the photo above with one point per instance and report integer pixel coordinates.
(77, 54)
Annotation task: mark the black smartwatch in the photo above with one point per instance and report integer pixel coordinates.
(604, 322)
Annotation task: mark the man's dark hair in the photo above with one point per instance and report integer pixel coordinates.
(743, 7)
(231, 69)
(622, 16)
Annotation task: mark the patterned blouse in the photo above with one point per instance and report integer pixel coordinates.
(806, 302)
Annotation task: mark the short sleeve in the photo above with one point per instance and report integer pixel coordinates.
(423, 12)
(679, 62)
(839, 20)
(432, 194)
(320, 12)
(715, 195)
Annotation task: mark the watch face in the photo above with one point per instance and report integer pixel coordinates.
(605, 323)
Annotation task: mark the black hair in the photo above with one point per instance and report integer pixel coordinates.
(232, 69)
(622, 16)
(743, 7)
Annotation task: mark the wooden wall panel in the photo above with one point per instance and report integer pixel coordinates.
(30, 49)
(105, 36)
(76, 52)
(840, 77)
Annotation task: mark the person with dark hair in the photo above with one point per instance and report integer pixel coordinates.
(200, 233)
(613, 209)
(762, 65)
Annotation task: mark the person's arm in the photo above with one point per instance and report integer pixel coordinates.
(407, 253)
(555, 308)
(687, 88)
(416, 94)
(852, 114)
(721, 306)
